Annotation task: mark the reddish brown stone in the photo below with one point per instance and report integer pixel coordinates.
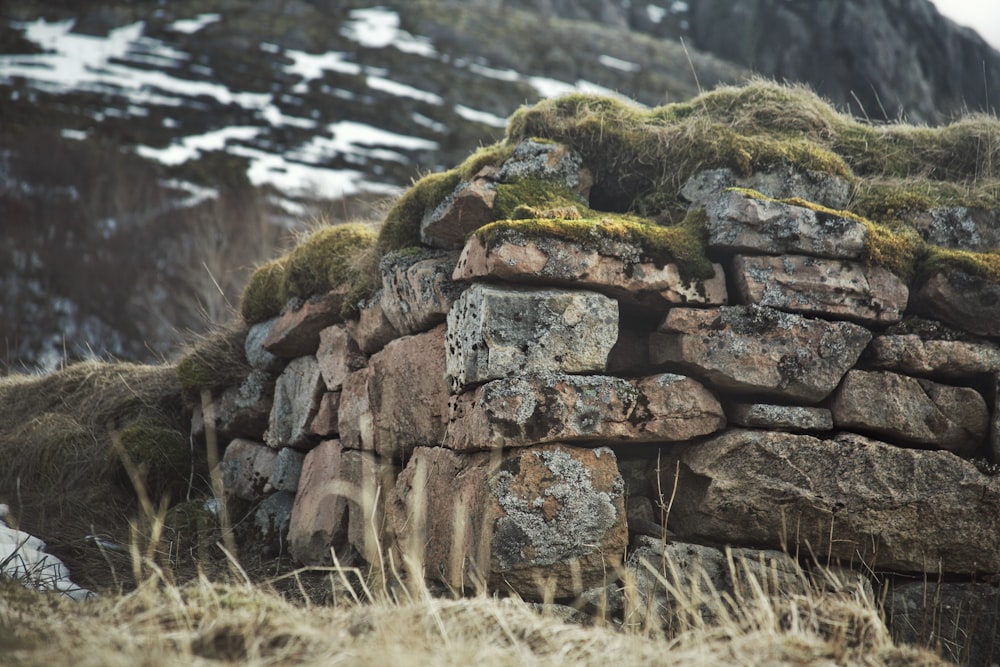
(319, 516)
(296, 332)
(338, 354)
(325, 423)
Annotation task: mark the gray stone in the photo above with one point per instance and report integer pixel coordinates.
(910, 410)
(941, 359)
(837, 289)
(243, 411)
(961, 300)
(795, 418)
(994, 386)
(297, 395)
(758, 349)
(547, 161)
(740, 223)
(497, 332)
(960, 620)
(542, 521)
(417, 290)
(247, 468)
(847, 498)
(556, 407)
(272, 519)
(616, 267)
(287, 470)
(258, 357)
(338, 354)
(959, 227)
(780, 182)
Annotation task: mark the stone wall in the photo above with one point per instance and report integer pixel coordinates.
(517, 414)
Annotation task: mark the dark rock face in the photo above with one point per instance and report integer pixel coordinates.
(876, 58)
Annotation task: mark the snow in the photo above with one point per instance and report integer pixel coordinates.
(23, 559)
(655, 13)
(190, 26)
(311, 66)
(191, 147)
(378, 28)
(477, 116)
(402, 90)
(618, 64)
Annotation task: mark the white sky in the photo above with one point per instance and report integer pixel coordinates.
(983, 16)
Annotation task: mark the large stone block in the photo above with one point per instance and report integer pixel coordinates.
(612, 268)
(418, 290)
(319, 516)
(496, 332)
(556, 407)
(961, 300)
(546, 518)
(297, 395)
(945, 359)
(816, 286)
(779, 182)
(466, 209)
(372, 329)
(247, 467)
(847, 498)
(338, 354)
(295, 332)
(354, 415)
(258, 357)
(243, 411)
(912, 411)
(758, 349)
(741, 223)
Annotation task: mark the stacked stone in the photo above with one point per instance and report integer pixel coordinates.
(506, 415)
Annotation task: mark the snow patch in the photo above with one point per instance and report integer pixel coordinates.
(477, 116)
(191, 26)
(378, 27)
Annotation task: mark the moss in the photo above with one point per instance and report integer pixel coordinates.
(682, 244)
(984, 265)
(488, 156)
(160, 453)
(190, 523)
(263, 297)
(512, 198)
(401, 228)
(324, 261)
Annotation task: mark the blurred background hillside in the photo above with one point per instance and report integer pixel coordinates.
(152, 152)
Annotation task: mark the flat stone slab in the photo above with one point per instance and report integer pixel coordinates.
(822, 287)
(495, 332)
(960, 300)
(295, 333)
(556, 407)
(417, 291)
(795, 418)
(758, 349)
(740, 223)
(614, 269)
(948, 359)
(912, 411)
(780, 182)
(962, 228)
(550, 513)
(850, 497)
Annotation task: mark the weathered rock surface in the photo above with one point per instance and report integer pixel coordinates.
(816, 286)
(946, 359)
(287, 470)
(911, 410)
(753, 348)
(556, 407)
(338, 354)
(326, 423)
(557, 164)
(295, 332)
(960, 300)
(740, 223)
(543, 518)
(962, 620)
(960, 227)
(247, 468)
(849, 497)
(495, 332)
(408, 393)
(272, 519)
(243, 411)
(613, 268)
(297, 393)
(417, 291)
(372, 329)
(781, 182)
(994, 385)
(367, 480)
(795, 418)
(258, 357)
(466, 209)
(354, 417)
(319, 515)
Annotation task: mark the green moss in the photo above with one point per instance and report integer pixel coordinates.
(401, 228)
(160, 453)
(985, 265)
(263, 297)
(488, 156)
(682, 244)
(324, 261)
(511, 198)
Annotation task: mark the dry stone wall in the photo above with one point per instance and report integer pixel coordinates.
(515, 415)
